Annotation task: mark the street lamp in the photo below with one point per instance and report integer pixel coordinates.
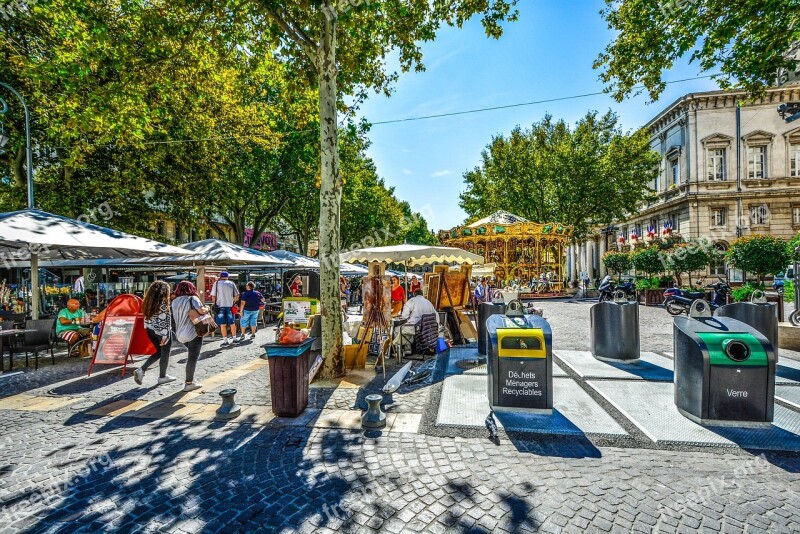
(29, 152)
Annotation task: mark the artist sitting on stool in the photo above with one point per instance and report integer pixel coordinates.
(70, 325)
(413, 311)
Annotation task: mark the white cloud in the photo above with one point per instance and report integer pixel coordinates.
(407, 172)
(439, 174)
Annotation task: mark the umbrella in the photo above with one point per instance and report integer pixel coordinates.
(411, 255)
(216, 252)
(34, 234)
(300, 261)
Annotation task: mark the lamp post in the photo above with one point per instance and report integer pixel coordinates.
(29, 153)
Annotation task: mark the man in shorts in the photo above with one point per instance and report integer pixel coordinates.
(251, 302)
(224, 294)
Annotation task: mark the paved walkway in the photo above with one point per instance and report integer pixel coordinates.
(102, 454)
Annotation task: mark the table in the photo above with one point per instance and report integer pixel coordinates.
(9, 333)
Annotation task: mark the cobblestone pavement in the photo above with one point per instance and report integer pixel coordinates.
(64, 469)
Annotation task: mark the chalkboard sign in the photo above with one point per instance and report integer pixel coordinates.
(115, 340)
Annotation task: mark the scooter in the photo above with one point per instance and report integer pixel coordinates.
(678, 301)
(608, 288)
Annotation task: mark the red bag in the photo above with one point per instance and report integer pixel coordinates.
(290, 336)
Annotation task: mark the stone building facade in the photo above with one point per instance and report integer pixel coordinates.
(729, 167)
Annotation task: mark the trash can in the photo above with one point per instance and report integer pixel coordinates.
(485, 310)
(520, 361)
(758, 313)
(724, 371)
(288, 377)
(614, 330)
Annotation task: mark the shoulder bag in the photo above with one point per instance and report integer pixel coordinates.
(203, 322)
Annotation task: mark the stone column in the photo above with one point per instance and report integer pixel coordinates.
(600, 264)
(573, 265)
(591, 247)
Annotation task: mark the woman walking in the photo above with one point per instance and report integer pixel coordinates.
(158, 325)
(186, 298)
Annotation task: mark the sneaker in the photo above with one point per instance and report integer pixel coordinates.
(228, 341)
(166, 379)
(138, 375)
(236, 339)
(252, 336)
(191, 386)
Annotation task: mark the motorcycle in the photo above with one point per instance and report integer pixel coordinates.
(608, 288)
(678, 301)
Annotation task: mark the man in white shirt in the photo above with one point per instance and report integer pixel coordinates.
(78, 287)
(413, 310)
(224, 294)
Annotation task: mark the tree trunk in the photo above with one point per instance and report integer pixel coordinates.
(330, 196)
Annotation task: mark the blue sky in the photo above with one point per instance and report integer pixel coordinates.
(548, 53)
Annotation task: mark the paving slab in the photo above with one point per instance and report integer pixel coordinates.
(651, 366)
(650, 406)
(788, 394)
(787, 371)
(465, 404)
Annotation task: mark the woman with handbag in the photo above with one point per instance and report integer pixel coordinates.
(158, 325)
(191, 324)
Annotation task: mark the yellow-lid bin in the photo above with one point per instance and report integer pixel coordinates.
(521, 343)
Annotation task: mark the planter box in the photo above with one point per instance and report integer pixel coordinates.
(651, 297)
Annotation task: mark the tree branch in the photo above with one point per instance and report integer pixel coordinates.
(297, 35)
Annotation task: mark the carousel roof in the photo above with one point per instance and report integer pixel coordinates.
(498, 217)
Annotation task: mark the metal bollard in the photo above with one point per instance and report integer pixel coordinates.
(374, 417)
(229, 408)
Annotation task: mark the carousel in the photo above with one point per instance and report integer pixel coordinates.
(523, 252)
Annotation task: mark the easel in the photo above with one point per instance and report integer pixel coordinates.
(375, 317)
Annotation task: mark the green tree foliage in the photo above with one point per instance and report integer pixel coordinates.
(745, 41)
(342, 48)
(793, 244)
(583, 176)
(648, 260)
(759, 254)
(687, 258)
(617, 262)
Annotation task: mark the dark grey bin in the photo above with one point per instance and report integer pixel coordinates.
(761, 316)
(486, 310)
(614, 331)
(724, 372)
(520, 362)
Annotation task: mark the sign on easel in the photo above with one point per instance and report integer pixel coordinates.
(114, 341)
(122, 334)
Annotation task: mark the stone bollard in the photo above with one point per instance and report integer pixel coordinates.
(374, 416)
(229, 408)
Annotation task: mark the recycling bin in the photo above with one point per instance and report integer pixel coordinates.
(520, 362)
(288, 377)
(614, 331)
(724, 371)
(485, 310)
(762, 316)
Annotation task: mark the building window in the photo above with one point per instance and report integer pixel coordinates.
(718, 216)
(756, 162)
(759, 215)
(796, 215)
(160, 228)
(178, 234)
(794, 160)
(716, 164)
(718, 266)
(208, 234)
(675, 166)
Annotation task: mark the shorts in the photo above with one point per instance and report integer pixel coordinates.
(249, 318)
(225, 316)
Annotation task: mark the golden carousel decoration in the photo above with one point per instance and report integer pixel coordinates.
(523, 252)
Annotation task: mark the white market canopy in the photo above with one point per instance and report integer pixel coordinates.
(411, 255)
(55, 237)
(211, 252)
(300, 261)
